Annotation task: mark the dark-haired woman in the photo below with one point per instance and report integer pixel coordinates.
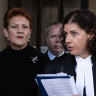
(79, 32)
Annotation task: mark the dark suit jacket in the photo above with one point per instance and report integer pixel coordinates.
(46, 57)
(49, 67)
(69, 63)
(55, 65)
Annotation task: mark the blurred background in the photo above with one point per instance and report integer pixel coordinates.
(43, 13)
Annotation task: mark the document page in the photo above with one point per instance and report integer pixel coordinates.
(59, 86)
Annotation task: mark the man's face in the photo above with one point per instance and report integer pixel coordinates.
(54, 41)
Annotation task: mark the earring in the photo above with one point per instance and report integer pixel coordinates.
(90, 39)
(29, 40)
(7, 39)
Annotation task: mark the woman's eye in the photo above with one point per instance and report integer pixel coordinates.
(13, 26)
(25, 27)
(74, 33)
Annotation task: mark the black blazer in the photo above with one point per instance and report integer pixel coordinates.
(69, 63)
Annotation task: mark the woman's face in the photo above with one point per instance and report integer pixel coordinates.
(18, 32)
(76, 40)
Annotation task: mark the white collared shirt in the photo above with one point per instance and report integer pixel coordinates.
(51, 56)
(84, 76)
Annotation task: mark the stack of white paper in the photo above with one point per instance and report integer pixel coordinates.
(59, 84)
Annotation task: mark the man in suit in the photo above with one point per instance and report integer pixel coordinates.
(55, 48)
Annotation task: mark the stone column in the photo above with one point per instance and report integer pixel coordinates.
(3, 8)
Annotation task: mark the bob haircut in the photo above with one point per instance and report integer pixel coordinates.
(86, 20)
(16, 12)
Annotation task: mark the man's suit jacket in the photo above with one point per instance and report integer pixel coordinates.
(55, 65)
(69, 63)
(46, 56)
(49, 67)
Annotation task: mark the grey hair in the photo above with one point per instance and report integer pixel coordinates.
(53, 24)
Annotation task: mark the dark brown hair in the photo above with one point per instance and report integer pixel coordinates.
(86, 20)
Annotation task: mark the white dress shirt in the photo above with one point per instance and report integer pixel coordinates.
(84, 76)
(51, 56)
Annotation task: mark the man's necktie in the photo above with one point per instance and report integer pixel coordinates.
(61, 66)
(55, 58)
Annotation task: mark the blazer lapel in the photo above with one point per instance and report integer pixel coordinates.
(69, 65)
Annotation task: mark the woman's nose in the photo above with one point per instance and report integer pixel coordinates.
(68, 39)
(20, 30)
